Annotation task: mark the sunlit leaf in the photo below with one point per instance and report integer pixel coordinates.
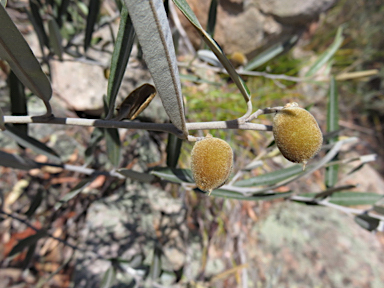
(271, 53)
(328, 54)
(174, 175)
(109, 278)
(270, 178)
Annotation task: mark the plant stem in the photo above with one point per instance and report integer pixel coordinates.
(170, 128)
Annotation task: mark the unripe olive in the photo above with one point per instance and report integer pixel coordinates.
(296, 133)
(211, 163)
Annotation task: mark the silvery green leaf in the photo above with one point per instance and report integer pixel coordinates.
(151, 25)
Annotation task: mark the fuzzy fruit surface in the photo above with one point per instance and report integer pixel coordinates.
(211, 163)
(297, 133)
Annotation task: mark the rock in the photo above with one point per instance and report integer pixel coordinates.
(246, 26)
(295, 12)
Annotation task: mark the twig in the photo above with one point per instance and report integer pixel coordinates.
(170, 128)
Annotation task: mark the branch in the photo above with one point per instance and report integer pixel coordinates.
(170, 128)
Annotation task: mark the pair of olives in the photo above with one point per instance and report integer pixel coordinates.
(296, 133)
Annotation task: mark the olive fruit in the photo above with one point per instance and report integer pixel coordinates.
(211, 163)
(297, 134)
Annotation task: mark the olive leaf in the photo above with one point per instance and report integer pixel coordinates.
(15, 50)
(151, 25)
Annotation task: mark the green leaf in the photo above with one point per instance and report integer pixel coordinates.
(331, 172)
(29, 256)
(55, 38)
(74, 192)
(26, 242)
(112, 139)
(2, 125)
(18, 100)
(174, 175)
(271, 178)
(212, 17)
(3, 2)
(173, 150)
(120, 57)
(354, 198)
(187, 11)
(96, 136)
(32, 143)
(109, 278)
(255, 197)
(15, 50)
(36, 202)
(155, 269)
(16, 161)
(367, 222)
(155, 38)
(138, 176)
(62, 12)
(271, 53)
(328, 54)
(93, 12)
(38, 21)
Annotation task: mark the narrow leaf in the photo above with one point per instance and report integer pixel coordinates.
(120, 58)
(271, 53)
(173, 150)
(271, 178)
(32, 143)
(18, 100)
(212, 44)
(96, 136)
(15, 50)
(109, 278)
(62, 12)
(2, 125)
(38, 21)
(327, 55)
(16, 161)
(155, 38)
(36, 202)
(55, 38)
(74, 192)
(93, 12)
(354, 198)
(138, 176)
(367, 222)
(174, 175)
(3, 2)
(256, 197)
(29, 256)
(331, 172)
(26, 242)
(112, 139)
(212, 17)
(155, 269)
(378, 209)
